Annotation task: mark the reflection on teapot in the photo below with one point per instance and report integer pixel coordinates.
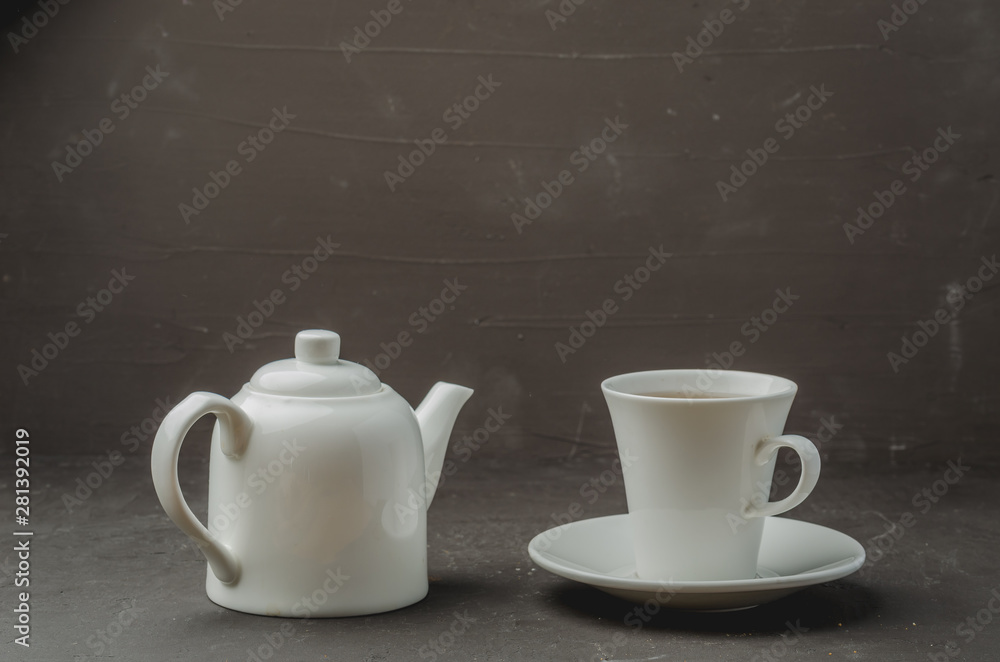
(317, 470)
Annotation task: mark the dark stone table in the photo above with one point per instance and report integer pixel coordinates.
(114, 579)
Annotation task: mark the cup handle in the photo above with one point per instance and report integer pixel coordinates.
(234, 431)
(810, 463)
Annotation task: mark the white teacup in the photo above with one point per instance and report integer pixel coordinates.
(701, 452)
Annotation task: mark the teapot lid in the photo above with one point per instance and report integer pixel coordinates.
(317, 371)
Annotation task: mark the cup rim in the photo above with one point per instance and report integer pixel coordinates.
(791, 388)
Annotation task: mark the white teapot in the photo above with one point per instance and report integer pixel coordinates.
(319, 482)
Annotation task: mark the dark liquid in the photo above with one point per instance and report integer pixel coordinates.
(692, 395)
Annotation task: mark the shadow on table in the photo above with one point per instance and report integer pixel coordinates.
(827, 606)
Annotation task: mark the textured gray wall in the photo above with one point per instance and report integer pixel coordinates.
(655, 185)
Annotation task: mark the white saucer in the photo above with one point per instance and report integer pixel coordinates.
(793, 555)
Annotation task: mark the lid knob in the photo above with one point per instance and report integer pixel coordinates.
(317, 346)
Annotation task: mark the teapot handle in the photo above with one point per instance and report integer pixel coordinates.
(234, 431)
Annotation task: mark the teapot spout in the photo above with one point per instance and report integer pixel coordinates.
(436, 416)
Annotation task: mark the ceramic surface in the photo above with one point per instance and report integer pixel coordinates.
(703, 466)
(319, 482)
(793, 555)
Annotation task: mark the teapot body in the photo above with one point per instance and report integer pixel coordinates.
(319, 482)
(323, 508)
